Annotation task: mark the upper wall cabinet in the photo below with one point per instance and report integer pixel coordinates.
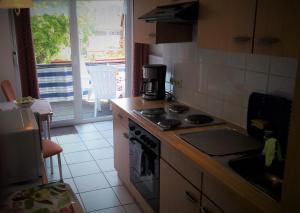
(158, 32)
(277, 29)
(15, 3)
(226, 24)
(259, 26)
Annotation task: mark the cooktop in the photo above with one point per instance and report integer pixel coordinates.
(177, 116)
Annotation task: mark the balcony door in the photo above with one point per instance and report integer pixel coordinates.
(80, 55)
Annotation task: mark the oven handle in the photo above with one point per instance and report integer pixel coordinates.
(132, 140)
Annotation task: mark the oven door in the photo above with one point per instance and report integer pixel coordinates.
(144, 172)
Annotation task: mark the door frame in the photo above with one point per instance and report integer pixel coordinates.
(76, 57)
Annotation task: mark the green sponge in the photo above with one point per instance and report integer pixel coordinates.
(272, 147)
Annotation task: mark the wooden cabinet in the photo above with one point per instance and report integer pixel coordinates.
(165, 2)
(176, 193)
(277, 28)
(207, 206)
(224, 198)
(262, 27)
(121, 144)
(226, 24)
(154, 33)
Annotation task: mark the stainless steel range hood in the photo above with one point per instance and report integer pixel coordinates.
(176, 13)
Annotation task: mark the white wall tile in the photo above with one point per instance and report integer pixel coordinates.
(187, 52)
(187, 73)
(237, 60)
(281, 86)
(170, 50)
(214, 106)
(244, 118)
(215, 80)
(153, 59)
(200, 101)
(157, 49)
(220, 83)
(255, 82)
(202, 78)
(259, 63)
(234, 86)
(284, 66)
(212, 56)
(233, 113)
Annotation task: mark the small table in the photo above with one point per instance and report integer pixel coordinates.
(40, 106)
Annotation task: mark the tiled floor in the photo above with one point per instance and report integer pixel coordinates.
(88, 167)
(64, 110)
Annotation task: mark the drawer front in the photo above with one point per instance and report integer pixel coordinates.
(208, 206)
(121, 151)
(228, 200)
(176, 193)
(120, 116)
(177, 160)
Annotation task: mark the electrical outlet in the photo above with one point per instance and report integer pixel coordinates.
(179, 83)
(176, 83)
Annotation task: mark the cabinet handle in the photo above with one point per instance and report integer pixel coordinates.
(267, 41)
(241, 39)
(120, 116)
(151, 35)
(190, 197)
(204, 210)
(125, 135)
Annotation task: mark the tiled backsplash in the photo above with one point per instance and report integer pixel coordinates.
(219, 82)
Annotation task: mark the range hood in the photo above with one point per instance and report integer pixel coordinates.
(176, 13)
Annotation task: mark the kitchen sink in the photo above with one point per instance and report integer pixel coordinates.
(253, 169)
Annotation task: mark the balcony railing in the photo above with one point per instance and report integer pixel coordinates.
(56, 79)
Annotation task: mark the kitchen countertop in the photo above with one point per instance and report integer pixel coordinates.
(214, 166)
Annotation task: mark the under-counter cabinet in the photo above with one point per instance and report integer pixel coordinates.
(121, 144)
(250, 26)
(158, 32)
(176, 193)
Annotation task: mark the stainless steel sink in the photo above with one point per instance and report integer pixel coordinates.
(253, 169)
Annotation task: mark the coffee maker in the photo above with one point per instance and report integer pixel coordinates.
(153, 81)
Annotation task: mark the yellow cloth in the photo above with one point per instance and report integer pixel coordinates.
(271, 148)
(259, 123)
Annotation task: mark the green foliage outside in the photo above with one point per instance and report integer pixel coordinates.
(50, 33)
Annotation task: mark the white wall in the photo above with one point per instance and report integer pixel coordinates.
(220, 83)
(7, 71)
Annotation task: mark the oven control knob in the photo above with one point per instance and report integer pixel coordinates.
(137, 132)
(132, 128)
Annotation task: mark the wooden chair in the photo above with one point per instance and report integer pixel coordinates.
(8, 90)
(50, 148)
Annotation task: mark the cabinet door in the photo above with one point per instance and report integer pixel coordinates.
(208, 206)
(121, 150)
(226, 25)
(176, 194)
(225, 198)
(277, 28)
(143, 32)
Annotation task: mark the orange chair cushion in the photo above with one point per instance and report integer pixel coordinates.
(50, 148)
(8, 90)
